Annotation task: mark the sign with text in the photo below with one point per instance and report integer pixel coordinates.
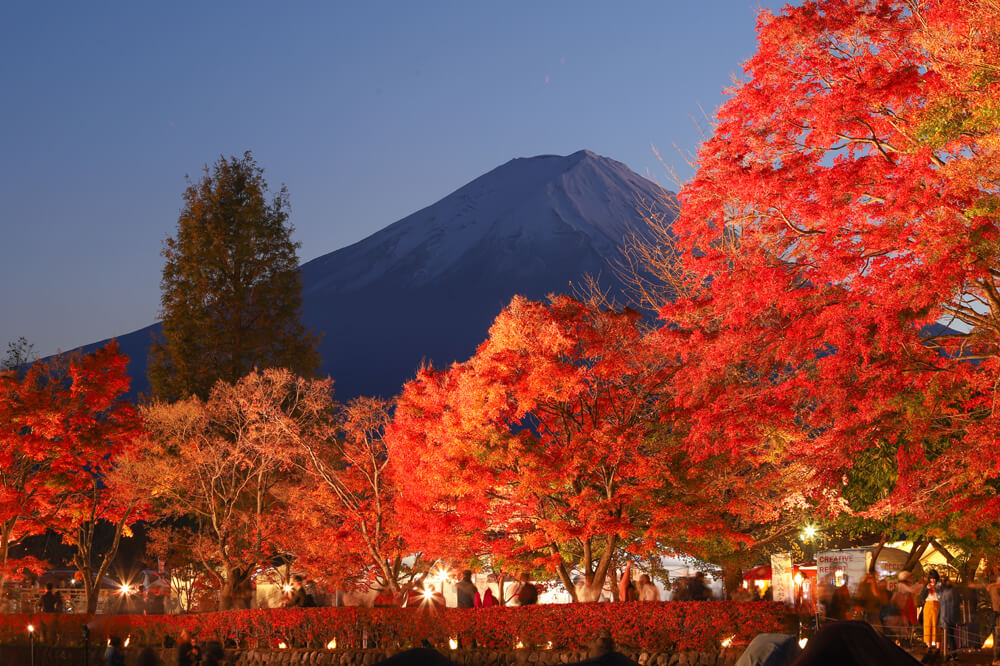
(843, 567)
(782, 585)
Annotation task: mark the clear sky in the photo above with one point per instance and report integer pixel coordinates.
(366, 110)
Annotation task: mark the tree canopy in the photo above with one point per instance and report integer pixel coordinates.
(231, 290)
(841, 238)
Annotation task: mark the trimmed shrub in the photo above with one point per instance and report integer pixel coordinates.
(651, 626)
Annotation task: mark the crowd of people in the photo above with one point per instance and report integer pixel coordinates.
(944, 614)
(524, 592)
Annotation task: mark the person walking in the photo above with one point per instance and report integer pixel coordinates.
(466, 591)
(527, 593)
(188, 652)
(299, 597)
(113, 655)
(697, 589)
(51, 602)
(949, 614)
(905, 597)
(647, 589)
(626, 588)
(993, 589)
(488, 598)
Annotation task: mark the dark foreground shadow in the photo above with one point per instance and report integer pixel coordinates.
(851, 643)
(430, 657)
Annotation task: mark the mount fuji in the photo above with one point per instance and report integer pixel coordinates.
(426, 288)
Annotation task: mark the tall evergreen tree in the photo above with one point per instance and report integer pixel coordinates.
(232, 292)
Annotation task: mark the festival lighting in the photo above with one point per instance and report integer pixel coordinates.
(286, 588)
(282, 646)
(125, 589)
(803, 641)
(332, 645)
(452, 643)
(31, 628)
(728, 641)
(128, 639)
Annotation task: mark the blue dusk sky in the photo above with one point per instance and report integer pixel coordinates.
(367, 111)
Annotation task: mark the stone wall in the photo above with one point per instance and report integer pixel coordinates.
(61, 656)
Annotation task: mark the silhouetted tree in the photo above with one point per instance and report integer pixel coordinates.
(232, 293)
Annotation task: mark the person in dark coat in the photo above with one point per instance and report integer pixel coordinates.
(148, 657)
(527, 594)
(188, 652)
(949, 615)
(466, 591)
(113, 655)
(299, 597)
(212, 653)
(697, 590)
(51, 602)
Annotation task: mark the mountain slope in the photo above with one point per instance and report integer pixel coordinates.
(427, 287)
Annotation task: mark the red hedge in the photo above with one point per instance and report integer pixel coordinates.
(665, 626)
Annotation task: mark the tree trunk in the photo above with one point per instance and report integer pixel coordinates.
(565, 577)
(227, 595)
(604, 566)
(968, 572)
(91, 589)
(876, 553)
(8, 528)
(916, 552)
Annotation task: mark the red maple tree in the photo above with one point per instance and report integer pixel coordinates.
(547, 448)
(346, 525)
(218, 465)
(65, 426)
(841, 247)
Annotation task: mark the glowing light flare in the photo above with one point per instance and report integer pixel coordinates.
(286, 588)
(443, 575)
(988, 643)
(428, 593)
(798, 578)
(728, 641)
(31, 628)
(128, 639)
(803, 641)
(452, 643)
(809, 532)
(332, 645)
(125, 589)
(519, 646)
(282, 646)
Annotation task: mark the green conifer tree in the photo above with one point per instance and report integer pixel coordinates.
(231, 289)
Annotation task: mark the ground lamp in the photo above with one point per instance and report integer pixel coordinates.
(31, 641)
